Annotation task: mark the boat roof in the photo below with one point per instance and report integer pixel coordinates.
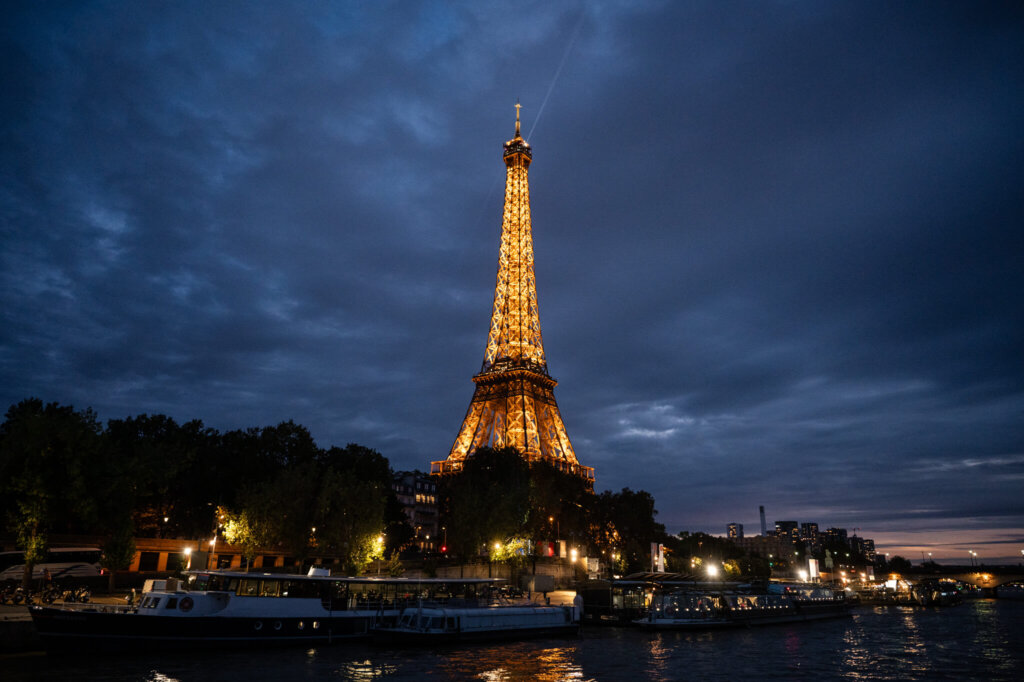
(369, 579)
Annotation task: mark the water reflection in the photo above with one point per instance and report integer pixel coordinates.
(973, 641)
(365, 670)
(519, 661)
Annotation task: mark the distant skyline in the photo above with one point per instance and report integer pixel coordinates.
(778, 245)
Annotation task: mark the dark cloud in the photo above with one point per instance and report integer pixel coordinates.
(778, 246)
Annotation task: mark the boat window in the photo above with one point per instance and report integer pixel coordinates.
(248, 587)
(153, 602)
(364, 595)
(270, 588)
(172, 603)
(301, 589)
(215, 583)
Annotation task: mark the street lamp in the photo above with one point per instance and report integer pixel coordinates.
(188, 557)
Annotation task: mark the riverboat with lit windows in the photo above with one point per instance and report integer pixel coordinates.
(693, 610)
(227, 608)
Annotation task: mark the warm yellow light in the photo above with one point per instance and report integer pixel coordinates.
(213, 542)
(497, 546)
(712, 570)
(188, 551)
(573, 555)
(803, 575)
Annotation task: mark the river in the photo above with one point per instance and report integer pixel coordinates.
(978, 640)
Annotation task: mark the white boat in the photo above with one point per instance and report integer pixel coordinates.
(439, 624)
(691, 610)
(222, 608)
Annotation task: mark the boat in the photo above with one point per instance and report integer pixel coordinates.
(215, 609)
(687, 609)
(1013, 590)
(445, 625)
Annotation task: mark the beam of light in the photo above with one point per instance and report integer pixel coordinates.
(572, 41)
(565, 55)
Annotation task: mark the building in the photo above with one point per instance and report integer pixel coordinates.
(836, 536)
(809, 533)
(513, 403)
(735, 530)
(766, 547)
(788, 529)
(417, 493)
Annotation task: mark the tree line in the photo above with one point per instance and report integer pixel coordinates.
(63, 472)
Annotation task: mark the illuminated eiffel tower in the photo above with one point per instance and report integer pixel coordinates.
(514, 402)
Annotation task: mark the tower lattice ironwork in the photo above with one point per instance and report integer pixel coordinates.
(514, 401)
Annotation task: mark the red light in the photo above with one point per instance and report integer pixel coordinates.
(444, 548)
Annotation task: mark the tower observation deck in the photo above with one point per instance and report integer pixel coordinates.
(514, 404)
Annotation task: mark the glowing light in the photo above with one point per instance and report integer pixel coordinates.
(573, 555)
(188, 551)
(712, 570)
(803, 575)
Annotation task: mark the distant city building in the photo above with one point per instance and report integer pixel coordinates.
(764, 527)
(863, 546)
(809, 533)
(836, 535)
(788, 529)
(417, 493)
(766, 547)
(735, 530)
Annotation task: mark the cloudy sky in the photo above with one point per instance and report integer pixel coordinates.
(778, 244)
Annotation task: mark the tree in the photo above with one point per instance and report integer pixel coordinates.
(244, 530)
(47, 472)
(487, 502)
(898, 564)
(118, 553)
(623, 523)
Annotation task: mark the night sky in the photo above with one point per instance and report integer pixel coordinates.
(778, 244)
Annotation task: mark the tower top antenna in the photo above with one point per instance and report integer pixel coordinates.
(518, 107)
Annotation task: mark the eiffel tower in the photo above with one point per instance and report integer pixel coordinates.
(514, 401)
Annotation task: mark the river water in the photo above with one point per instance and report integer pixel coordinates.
(978, 640)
